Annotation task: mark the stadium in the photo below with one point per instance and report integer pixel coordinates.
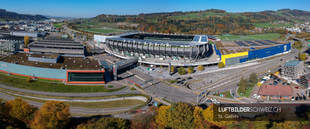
(160, 49)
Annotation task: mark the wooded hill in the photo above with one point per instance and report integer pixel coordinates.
(12, 16)
(201, 22)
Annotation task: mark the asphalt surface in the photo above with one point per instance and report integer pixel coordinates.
(99, 94)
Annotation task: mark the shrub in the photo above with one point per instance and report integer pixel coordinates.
(182, 71)
(201, 68)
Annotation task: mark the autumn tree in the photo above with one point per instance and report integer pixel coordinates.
(26, 41)
(182, 116)
(52, 115)
(105, 123)
(200, 68)
(302, 56)
(221, 65)
(198, 119)
(208, 115)
(163, 116)
(190, 70)
(20, 109)
(172, 69)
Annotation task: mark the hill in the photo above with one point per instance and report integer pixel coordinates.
(12, 16)
(211, 21)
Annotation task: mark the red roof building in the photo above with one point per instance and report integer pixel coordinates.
(275, 92)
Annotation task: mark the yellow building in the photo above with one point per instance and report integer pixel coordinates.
(234, 57)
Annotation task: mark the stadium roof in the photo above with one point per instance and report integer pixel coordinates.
(123, 37)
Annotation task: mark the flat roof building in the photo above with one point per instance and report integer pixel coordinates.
(293, 69)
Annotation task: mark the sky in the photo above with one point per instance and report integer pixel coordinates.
(92, 8)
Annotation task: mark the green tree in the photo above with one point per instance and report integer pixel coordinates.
(190, 70)
(20, 109)
(200, 68)
(221, 65)
(181, 71)
(52, 115)
(242, 86)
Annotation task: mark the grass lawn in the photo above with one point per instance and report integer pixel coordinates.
(58, 25)
(247, 92)
(267, 36)
(51, 86)
(226, 94)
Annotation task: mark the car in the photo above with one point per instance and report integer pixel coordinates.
(189, 78)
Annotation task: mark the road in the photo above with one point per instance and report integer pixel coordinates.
(76, 111)
(99, 94)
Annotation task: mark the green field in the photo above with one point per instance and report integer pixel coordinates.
(100, 30)
(267, 36)
(58, 25)
(270, 25)
(51, 86)
(97, 28)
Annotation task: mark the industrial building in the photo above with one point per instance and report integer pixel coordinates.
(63, 47)
(251, 52)
(24, 33)
(293, 69)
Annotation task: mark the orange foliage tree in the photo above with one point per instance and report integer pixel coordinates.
(52, 115)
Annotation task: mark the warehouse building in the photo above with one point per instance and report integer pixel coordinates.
(253, 53)
(24, 33)
(293, 69)
(63, 47)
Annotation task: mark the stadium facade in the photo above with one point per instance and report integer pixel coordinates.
(156, 48)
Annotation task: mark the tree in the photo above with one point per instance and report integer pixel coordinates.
(163, 117)
(172, 69)
(253, 78)
(297, 45)
(26, 41)
(190, 70)
(208, 115)
(52, 115)
(302, 56)
(198, 119)
(242, 85)
(105, 123)
(20, 109)
(181, 71)
(221, 65)
(182, 116)
(200, 68)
